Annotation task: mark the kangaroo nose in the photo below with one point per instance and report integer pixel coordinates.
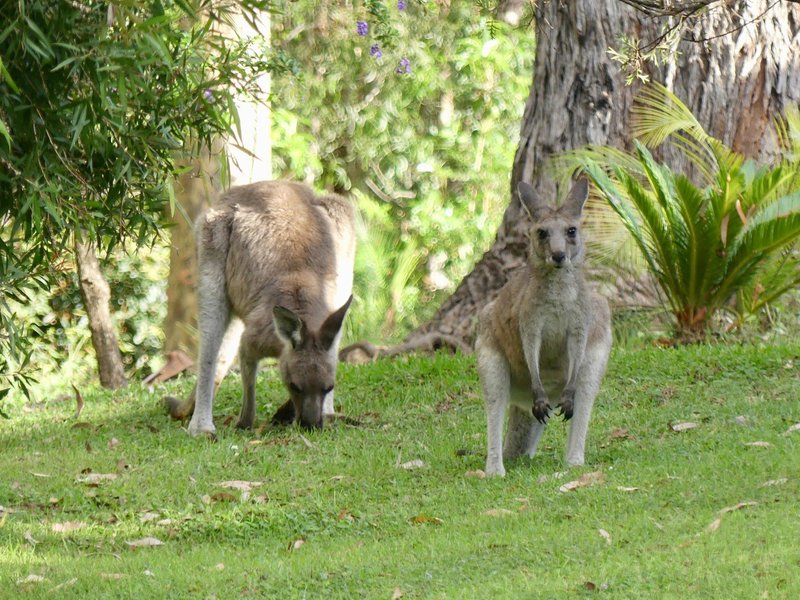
(558, 257)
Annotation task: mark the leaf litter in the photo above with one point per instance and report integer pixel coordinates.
(585, 480)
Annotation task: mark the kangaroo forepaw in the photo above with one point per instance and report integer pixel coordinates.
(541, 410)
(284, 415)
(567, 405)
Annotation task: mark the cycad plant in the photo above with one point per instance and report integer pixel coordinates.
(708, 240)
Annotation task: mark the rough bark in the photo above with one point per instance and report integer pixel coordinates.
(736, 83)
(96, 297)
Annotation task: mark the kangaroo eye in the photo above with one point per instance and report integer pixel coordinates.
(327, 390)
(295, 388)
(572, 231)
(542, 234)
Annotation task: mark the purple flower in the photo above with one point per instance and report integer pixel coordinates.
(375, 51)
(362, 28)
(401, 5)
(404, 66)
(208, 95)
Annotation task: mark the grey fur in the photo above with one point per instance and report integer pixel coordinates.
(546, 333)
(275, 280)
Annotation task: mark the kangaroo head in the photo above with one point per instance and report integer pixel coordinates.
(308, 361)
(556, 232)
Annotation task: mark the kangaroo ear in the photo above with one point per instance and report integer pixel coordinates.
(289, 327)
(530, 201)
(333, 324)
(573, 205)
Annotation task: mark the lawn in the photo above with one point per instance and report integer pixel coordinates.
(121, 502)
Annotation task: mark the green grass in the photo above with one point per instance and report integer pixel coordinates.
(342, 492)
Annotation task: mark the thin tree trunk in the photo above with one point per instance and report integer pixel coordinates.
(96, 298)
(735, 84)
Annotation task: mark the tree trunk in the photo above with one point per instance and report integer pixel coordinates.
(249, 160)
(735, 84)
(96, 297)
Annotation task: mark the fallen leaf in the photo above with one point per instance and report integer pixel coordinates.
(40, 475)
(113, 443)
(78, 402)
(206, 499)
(684, 426)
(772, 482)
(32, 578)
(242, 486)
(739, 506)
(306, 441)
(337, 477)
(477, 474)
(585, 480)
(164, 522)
(759, 444)
(29, 538)
(122, 465)
(148, 573)
(221, 497)
(741, 420)
(296, 545)
(220, 566)
(68, 526)
(95, 479)
(623, 488)
(590, 585)
(621, 433)
(145, 542)
(714, 525)
(113, 576)
(498, 512)
(397, 594)
(148, 516)
(795, 427)
(261, 499)
(419, 519)
(605, 535)
(412, 464)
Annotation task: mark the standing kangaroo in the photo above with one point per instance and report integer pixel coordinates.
(547, 332)
(275, 279)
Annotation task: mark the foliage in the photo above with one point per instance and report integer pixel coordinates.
(370, 527)
(703, 243)
(418, 119)
(97, 101)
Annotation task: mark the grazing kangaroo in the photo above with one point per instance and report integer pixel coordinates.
(546, 333)
(275, 279)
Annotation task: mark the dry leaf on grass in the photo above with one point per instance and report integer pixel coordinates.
(242, 486)
(620, 434)
(40, 475)
(29, 538)
(498, 512)
(759, 444)
(683, 426)
(795, 427)
(585, 480)
(605, 535)
(145, 542)
(397, 594)
(148, 516)
(68, 526)
(95, 479)
(420, 519)
(624, 488)
(113, 443)
(476, 474)
(296, 545)
(714, 525)
(32, 578)
(112, 576)
(739, 506)
(772, 482)
(412, 464)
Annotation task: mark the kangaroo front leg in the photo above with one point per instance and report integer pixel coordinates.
(576, 348)
(541, 404)
(248, 366)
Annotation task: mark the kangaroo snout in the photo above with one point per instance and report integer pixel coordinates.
(559, 258)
